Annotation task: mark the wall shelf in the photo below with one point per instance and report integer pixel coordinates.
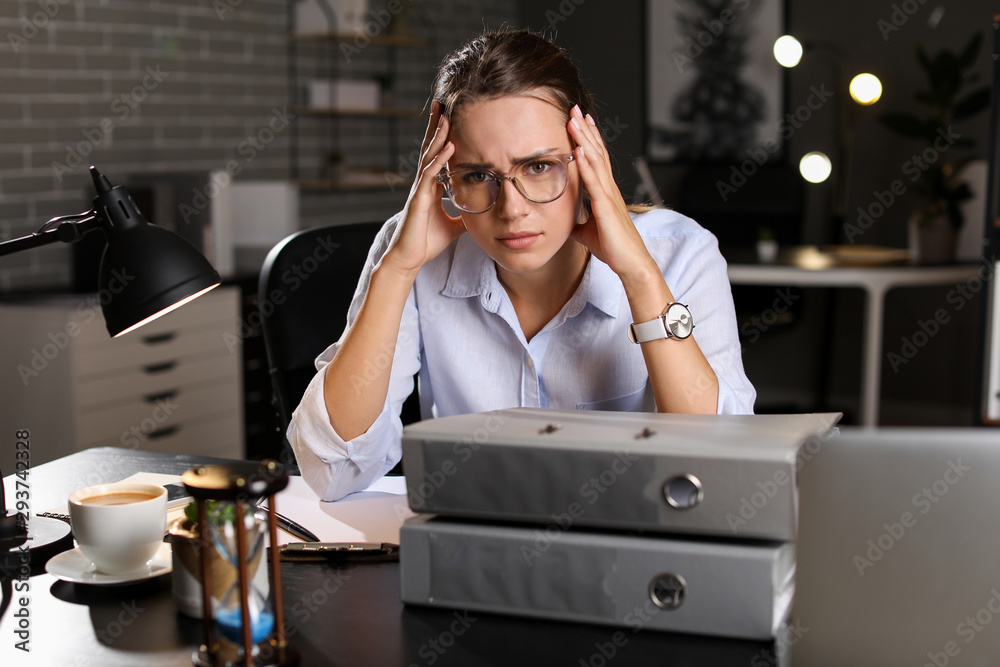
(387, 112)
(332, 55)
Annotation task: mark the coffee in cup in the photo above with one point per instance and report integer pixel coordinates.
(119, 527)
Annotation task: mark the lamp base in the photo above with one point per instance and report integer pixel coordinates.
(266, 654)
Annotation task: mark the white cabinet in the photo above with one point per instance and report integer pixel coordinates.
(173, 385)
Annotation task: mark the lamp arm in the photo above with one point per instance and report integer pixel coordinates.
(68, 229)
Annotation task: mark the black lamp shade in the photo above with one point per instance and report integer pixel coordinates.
(147, 271)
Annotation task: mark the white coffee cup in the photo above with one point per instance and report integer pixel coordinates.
(119, 527)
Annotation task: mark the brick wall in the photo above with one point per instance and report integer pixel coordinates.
(144, 86)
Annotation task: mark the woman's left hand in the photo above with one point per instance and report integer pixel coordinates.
(609, 233)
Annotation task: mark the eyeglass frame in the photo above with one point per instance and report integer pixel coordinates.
(444, 179)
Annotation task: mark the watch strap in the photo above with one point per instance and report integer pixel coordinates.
(655, 329)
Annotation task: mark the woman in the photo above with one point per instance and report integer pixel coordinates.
(529, 296)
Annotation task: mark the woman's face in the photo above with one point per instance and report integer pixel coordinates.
(500, 135)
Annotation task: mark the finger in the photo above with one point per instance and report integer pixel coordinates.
(596, 171)
(427, 184)
(437, 141)
(587, 136)
(432, 124)
(588, 129)
(596, 148)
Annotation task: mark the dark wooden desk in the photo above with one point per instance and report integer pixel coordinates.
(350, 615)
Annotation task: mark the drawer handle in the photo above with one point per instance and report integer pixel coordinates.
(162, 396)
(163, 432)
(159, 368)
(159, 338)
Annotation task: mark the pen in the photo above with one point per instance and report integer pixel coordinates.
(340, 551)
(291, 527)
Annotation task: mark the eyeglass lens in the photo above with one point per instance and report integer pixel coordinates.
(541, 181)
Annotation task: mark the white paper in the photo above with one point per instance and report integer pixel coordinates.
(372, 515)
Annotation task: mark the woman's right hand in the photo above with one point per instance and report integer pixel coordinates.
(426, 229)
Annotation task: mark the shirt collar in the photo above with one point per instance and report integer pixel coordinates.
(470, 270)
(473, 273)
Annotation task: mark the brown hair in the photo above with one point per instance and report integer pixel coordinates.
(509, 62)
(513, 62)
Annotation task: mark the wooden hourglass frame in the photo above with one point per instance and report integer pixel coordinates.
(243, 484)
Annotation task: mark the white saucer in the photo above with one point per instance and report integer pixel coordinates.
(73, 566)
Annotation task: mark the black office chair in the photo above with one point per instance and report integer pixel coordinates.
(305, 289)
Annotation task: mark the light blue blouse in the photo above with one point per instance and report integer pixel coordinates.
(459, 331)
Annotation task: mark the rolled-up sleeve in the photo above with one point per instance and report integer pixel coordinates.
(334, 467)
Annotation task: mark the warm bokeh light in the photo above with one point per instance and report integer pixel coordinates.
(866, 89)
(815, 167)
(787, 51)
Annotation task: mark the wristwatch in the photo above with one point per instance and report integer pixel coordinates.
(675, 322)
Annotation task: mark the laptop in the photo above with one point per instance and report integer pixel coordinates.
(898, 551)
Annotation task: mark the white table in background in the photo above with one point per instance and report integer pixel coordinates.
(812, 268)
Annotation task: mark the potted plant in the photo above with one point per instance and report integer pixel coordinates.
(935, 224)
(767, 245)
(333, 166)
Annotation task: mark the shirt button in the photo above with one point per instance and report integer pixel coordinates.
(531, 363)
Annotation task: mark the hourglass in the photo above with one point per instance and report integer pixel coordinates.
(244, 616)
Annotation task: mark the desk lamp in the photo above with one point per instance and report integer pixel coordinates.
(162, 272)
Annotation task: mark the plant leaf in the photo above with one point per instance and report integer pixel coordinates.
(905, 124)
(971, 50)
(972, 103)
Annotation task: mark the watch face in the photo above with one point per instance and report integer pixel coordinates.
(678, 320)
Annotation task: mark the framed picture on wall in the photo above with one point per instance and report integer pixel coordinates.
(714, 88)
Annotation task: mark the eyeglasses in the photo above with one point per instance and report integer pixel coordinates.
(475, 190)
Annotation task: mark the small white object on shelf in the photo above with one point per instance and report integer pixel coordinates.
(767, 250)
(344, 94)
